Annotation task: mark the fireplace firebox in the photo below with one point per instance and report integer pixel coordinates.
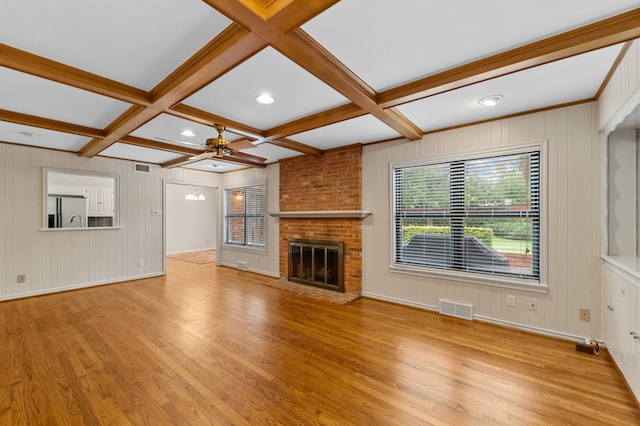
(317, 263)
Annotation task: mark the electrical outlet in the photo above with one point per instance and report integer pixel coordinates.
(140, 263)
(511, 300)
(21, 278)
(585, 314)
(533, 305)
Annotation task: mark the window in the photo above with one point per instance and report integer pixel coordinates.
(245, 215)
(480, 217)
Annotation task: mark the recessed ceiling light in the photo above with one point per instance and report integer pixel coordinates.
(265, 98)
(30, 135)
(490, 100)
(187, 133)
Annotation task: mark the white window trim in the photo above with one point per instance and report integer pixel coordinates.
(542, 285)
(240, 247)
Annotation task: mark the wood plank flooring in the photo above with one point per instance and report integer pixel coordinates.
(211, 345)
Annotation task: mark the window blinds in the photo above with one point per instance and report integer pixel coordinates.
(245, 215)
(479, 215)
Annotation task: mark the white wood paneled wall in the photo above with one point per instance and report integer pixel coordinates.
(573, 223)
(622, 85)
(266, 263)
(58, 260)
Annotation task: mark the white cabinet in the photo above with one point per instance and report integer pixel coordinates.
(101, 201)
(621, 323)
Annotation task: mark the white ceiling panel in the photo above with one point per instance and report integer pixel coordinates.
(297, 93)
(137, 153)
(271, 152)
(31, 95)
(215, 166)
(27, 135)
(357, 130)
(389, 43)
(135, 42)
(167, 128)
(574, 79)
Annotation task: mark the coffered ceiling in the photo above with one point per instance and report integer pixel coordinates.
(123, 78)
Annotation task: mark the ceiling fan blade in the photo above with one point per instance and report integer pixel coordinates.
(205, 155)
(178, 141)
(244, 143)
(248, 157)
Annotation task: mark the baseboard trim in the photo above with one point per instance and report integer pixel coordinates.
(192, 250)
(78, 286)
(532, 329)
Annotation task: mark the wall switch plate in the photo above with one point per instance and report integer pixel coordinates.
(511, 300)
(585, 314)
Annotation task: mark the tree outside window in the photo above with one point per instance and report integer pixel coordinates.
(479, 215)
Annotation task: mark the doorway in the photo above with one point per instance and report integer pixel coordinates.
(191, 218)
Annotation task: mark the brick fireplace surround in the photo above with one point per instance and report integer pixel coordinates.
(332, 181)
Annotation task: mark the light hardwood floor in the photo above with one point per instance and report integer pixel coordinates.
(207, 345)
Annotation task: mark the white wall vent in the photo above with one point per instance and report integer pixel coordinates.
(243, 266)
(141, 168)
(459, 310)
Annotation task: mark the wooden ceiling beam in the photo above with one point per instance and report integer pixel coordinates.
(46, 123)
(282, 32)
(317, 120)
(617, 29)
(292, 14)
(296, 146)
(306, 52)
(178, 162)
(55, 71)
(204, 117)
(128, 121)
(209, 119)
(230, 48)
(163, 146)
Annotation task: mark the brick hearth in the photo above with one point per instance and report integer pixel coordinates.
(332, 181)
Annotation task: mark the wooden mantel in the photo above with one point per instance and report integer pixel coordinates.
(322, 214)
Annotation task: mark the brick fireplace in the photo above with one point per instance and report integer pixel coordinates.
(331, 182)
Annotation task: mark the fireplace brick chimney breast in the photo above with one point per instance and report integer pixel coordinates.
(332, 181)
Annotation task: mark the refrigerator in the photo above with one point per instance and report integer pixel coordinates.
(68, 211)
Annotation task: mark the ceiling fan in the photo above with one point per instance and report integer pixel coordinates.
(221, 148)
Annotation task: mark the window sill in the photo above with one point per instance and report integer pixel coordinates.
(480, 279)
(262, 250)
(321, 214)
